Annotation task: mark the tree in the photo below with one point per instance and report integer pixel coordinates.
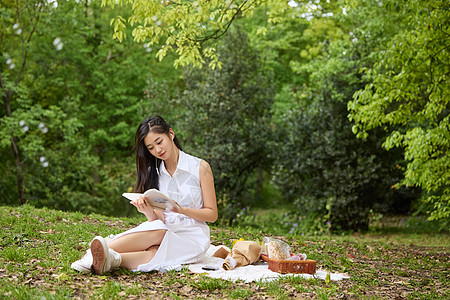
(21, 20)
(331, 176)
(75, 108)
(408, 94)
(227, 120)
(184, 27)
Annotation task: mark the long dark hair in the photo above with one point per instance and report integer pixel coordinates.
(147, 165)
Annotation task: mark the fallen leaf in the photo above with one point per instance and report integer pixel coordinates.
(186, 289)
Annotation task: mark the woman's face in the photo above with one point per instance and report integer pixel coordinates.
(160, 145)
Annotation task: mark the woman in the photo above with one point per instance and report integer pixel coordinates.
(169, 238)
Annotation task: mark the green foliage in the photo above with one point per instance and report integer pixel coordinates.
(228, 120)
(333, 178)
(409, 94)
(28, 126)
(182, 27)
(74, 105)
(328, 172)
(72, 98)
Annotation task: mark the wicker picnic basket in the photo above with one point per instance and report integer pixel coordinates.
(290, 266)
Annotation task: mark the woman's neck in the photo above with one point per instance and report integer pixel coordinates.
(171, 163)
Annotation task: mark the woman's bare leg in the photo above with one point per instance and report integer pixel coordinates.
(132, 260)
(137, 241)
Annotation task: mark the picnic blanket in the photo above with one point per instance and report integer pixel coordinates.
(255, 272)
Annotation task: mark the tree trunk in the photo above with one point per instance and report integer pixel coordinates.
(259, 183)
(33, 13)
(19, 171)
(14, 146)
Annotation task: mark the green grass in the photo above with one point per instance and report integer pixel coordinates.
(239, 293)
(205, 283)
(37, 247)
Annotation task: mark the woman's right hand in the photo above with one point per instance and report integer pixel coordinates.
(143, 207)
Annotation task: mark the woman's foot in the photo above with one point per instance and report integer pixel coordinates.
(103, 258)
(83, 265)
(99, 251)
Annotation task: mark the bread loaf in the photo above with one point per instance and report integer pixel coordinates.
(276, 251)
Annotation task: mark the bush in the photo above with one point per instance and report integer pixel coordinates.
(227, 121)
(324, 169)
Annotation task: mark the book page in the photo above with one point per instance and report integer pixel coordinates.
(159, 201)
(132, 196)
(155, 198)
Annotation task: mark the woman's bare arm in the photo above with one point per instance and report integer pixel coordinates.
(209, 211)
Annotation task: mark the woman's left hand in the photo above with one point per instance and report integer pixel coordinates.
(144, 207)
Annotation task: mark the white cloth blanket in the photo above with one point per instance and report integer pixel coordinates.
(254, 272)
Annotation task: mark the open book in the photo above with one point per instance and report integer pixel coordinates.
(155, 198)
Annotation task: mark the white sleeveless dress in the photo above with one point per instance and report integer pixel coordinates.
(186, 240)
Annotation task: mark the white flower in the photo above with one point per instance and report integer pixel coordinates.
(8, 61)
(58, 44)
(25, 128)
(15, 26)
(45, 164)
(54, 3)
(21, 123)
(42, 159)
(292, 3)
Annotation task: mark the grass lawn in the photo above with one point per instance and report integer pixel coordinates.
(37, 247)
